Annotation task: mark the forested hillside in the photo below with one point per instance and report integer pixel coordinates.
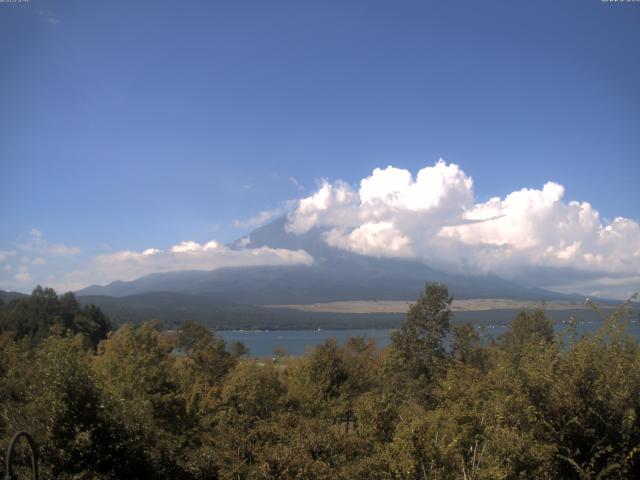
(173, 309)
(124, 405)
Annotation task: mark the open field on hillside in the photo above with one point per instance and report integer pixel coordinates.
(468, 305)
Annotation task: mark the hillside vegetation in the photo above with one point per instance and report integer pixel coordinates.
(172, 309)
(529, 405)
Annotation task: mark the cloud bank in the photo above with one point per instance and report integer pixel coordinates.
(188, 255)
(37, 244)
(33, 251)
(435, 217)
(533, 235)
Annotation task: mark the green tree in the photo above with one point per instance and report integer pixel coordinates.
(238, 349)
(43, 313)
(207, 361)
(320, 379)
(465, 346)
(419, 353)
(142, 392)
(192, 336)
(528, 326)
(64, 411)
(251, 395)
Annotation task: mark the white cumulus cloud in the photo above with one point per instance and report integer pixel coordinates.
(391, 213)
(187, 255)
(542, 227)
(37, 244)
(22, 275)
(435, 217)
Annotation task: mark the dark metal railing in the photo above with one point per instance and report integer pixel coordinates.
(11, 450)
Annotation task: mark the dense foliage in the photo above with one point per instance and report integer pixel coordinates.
(43, 313)
(437, 403)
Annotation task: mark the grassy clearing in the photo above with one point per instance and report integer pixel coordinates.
(467, 305)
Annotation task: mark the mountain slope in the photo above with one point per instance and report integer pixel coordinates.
(336, 275)
(6, 297)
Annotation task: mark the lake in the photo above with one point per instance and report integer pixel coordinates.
(262, 342)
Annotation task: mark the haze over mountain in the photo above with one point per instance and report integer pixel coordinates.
(380, 239)
(6, 297)
(335, 275)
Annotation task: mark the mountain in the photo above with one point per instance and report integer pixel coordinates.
(6, 297)
(335, 275)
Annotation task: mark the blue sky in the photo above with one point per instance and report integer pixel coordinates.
(137, 124)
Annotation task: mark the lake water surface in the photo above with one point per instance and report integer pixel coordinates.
(296, 342)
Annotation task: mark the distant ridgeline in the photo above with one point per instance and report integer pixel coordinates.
(172, 309)
(235, 297)
(43, 312)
